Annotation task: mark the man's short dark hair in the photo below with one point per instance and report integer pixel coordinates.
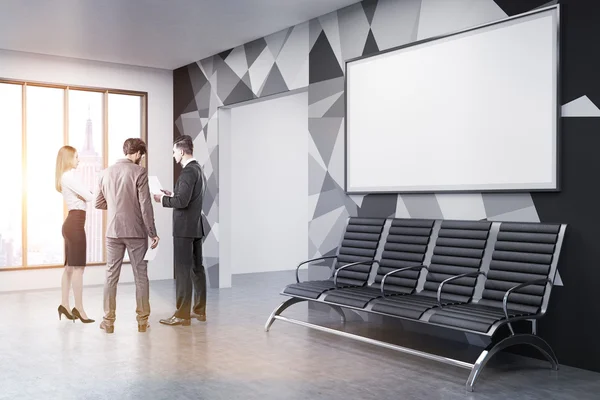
(133, 145)
(185, 144)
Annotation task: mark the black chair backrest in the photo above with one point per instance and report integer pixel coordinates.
(359, 244)
(523, 252)
(459, 249)
(405, 246)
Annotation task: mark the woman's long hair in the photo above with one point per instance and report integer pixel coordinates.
(65, 161)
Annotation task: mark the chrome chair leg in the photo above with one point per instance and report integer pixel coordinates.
(338, 310)
(492, 349)
(281, 308)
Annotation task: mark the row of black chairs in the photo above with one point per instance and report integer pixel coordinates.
(472, 276)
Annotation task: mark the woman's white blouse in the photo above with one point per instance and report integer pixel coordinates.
(74, 192)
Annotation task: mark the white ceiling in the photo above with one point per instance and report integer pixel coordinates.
(152, 33)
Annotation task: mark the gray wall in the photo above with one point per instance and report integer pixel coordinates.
(313, 53)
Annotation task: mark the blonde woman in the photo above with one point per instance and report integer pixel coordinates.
(75, 195)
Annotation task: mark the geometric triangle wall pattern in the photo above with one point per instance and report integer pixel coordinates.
(313, 54)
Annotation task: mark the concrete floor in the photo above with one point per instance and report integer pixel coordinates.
(231, 357)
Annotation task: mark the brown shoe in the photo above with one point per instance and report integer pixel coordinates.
(107, 328)
(143, 327)
(199, 317)
(176, 321)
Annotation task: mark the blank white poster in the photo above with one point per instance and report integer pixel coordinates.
(475, 111)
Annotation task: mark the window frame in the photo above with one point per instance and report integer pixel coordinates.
(66, 88)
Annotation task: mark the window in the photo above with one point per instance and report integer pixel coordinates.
(11, 249)
(36, 120)
(125, 118)
(45, 127)
(86, 127)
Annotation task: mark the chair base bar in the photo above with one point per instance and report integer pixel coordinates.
(528, 339)
(434, 357)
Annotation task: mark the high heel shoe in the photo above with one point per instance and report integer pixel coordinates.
(63, 311)
(77, 315)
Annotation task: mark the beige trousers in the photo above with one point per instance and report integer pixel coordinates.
(115, 251)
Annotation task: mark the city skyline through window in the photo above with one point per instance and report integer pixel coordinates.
(85, 134)
(30, 226)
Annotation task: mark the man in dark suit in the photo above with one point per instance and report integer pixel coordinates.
(186, 201)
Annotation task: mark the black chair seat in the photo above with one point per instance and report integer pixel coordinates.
(359, 297)
(412, 306)
(355, 255)
(313, 289)
(459, 249)
(471, 316)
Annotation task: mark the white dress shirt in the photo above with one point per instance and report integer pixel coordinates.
(184, 163)
(73, 191)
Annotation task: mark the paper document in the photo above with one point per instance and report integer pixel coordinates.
(151, 253)
(155, 186)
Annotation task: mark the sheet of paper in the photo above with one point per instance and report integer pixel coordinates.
(154, 184)
(151, 253)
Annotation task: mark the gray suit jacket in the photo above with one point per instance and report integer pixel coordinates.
(187, 202)
(123, 191)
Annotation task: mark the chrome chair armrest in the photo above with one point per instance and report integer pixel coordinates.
(337, 271)
(517, 287)
(468, 274)
(309, 261)
(395, 272)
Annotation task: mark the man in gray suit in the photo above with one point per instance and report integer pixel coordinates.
(124, 192)
(188, 231)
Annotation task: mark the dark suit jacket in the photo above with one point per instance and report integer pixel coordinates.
(187, 202)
